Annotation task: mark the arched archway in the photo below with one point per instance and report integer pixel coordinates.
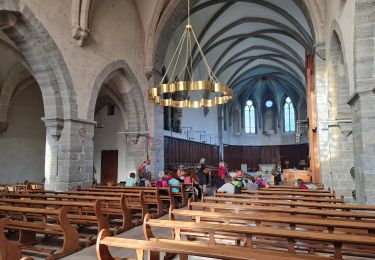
(117, 89)
(340, 142)
(46, 64)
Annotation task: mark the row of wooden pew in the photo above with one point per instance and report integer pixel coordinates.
(71, 214)
(262, 224)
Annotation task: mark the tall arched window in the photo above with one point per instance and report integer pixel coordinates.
(289, 116)
(250, 118)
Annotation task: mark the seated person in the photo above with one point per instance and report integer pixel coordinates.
(174, 182)
(251, 185)
(262, 183)
(163, 181)
(131, 182)
(228, 187)
(306, 186)
(181, 173)
(238, 180)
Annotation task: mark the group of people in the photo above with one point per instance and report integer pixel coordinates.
(144, 176)
(198, 179)
(235, 184)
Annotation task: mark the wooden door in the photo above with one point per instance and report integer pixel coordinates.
(109, 166)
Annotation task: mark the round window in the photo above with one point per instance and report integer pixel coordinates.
(269, 103)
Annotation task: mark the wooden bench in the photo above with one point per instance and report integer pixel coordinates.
(184, 248)
(288, 222)
(151, 195)
(134, 200)
(9, 250)
(272, 186)
(113, 208)
(296, 190)
(163, 194)
(290, 193)
(80, 213)
(338, 244)
(180, 195)
(32, 221)
(292, 204)
(236, 208)
(280, 197)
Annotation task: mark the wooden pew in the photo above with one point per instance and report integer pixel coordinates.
(272, 186)
(296, 190)
(151, 195)
(288, 222)
(80, 213)
(290, 193)
(8, 250)
(184, 249)
(181, 195)
(338, 244)
(114, 208)
(292, 204)
(134, 200)
(32, 221)
(163, 194)
(280, 197)
(236, 208)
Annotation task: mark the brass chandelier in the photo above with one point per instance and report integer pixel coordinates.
(216, 93)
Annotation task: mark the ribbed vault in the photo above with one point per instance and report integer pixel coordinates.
(257, 46)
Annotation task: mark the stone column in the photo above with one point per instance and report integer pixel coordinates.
(155, 121)
(69, 154)
(220, 126)
(363, 100)
(321, 86)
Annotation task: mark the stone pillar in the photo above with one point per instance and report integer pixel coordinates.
(220, 111)
(321, 85)
(363, 101)
(155, 121)
(69, 154)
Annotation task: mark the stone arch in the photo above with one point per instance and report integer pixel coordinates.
(339, 89)
(17, 74)
(133, 98)
(339, 112)
(44, 59)
(118, 83)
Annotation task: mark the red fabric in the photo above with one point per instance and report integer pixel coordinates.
(302, 186)
(221, 172)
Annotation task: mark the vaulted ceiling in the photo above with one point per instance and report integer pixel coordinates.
(257, 46)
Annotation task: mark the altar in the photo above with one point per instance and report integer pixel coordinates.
(292, 175)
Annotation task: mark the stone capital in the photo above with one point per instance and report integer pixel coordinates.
(54, 126)
(3, 127)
